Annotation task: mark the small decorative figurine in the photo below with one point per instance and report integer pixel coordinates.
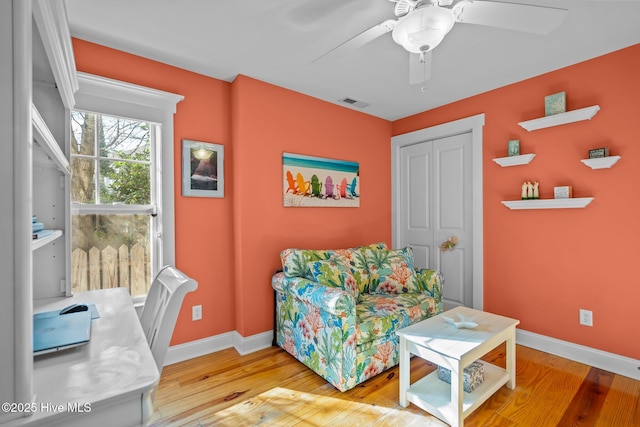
(536, 193)
(529, 190)
(523, 194)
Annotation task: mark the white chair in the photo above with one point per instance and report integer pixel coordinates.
(161, 309)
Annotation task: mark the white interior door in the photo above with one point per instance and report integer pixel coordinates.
(436, 204)
(416, 218)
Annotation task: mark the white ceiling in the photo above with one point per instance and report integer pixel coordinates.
(277, 41)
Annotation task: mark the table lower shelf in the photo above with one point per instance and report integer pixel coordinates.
(434, 395)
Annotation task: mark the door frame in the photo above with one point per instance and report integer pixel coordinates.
(473, 124)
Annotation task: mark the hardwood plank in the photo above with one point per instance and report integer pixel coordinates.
(270, 387)
(286, 407)
(545, 387)
(228, 388)
(622, 404)
(587, 402)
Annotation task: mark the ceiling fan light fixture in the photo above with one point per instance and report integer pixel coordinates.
(423, 29)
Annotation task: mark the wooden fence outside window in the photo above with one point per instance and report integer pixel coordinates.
(112, 268)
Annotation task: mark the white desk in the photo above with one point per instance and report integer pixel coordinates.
(110, 381)
(437, 341)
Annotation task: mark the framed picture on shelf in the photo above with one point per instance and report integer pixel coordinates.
(555, 104)
(514, 147)
(563, 192)
(202, 169)
(597, 153)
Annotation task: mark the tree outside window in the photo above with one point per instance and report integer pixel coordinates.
(112, 165)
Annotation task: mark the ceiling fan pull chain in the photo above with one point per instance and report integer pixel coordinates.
(423, 88)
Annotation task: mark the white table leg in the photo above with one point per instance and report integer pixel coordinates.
(405, 365)
(457, 388)
(511, 358)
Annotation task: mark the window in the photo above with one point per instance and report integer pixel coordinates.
(123, 184)
(113, 202)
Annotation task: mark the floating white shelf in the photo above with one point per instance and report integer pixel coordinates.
(38, 243)
(522, 159)
(601, 162)
(577, 202)
(561, 119)
(43, 137)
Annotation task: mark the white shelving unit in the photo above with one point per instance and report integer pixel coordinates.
(573, 202)
(46, 141)
(561, 119)
(522, 159)
(42, 74)
(54, 81)
(39, 243)
(601, 162)
(46, 154)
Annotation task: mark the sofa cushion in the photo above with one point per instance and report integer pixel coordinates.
(335, 272)
(391, 271)
(379, 315)
(429, 282)
(295, 261)
(357, 259)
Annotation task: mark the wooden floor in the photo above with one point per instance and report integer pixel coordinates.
(269, 387)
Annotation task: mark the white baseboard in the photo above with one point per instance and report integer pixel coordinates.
(182, 352)
(253, 343)
(589, 356)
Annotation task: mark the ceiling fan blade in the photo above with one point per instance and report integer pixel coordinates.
(419, 71)
(361, 39)
(512, 16)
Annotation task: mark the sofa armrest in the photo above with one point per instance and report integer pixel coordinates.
(430, 282)
(332, 300)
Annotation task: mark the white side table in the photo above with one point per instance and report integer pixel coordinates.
(439, 342)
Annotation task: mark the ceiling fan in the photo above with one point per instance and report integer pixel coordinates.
(422, 24)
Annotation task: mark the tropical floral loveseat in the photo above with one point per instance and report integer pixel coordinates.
(338, 310)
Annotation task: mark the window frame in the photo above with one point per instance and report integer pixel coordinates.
(121, 99)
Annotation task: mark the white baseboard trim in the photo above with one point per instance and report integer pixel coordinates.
(253, 343)
(589, 356)
(182, 352)
(186, 351)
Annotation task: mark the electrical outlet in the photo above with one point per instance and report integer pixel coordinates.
(586, 317)
(196, 312)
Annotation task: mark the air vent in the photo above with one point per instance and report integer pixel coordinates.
(355, 102)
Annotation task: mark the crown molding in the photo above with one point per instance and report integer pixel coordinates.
(51, 18)
(116, 90)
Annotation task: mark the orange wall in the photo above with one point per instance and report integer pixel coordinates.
(204, 238)
(267, 121)
(231, 246)
(542, 266)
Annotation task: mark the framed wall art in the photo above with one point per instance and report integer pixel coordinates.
(309, 181)
(202, 169)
